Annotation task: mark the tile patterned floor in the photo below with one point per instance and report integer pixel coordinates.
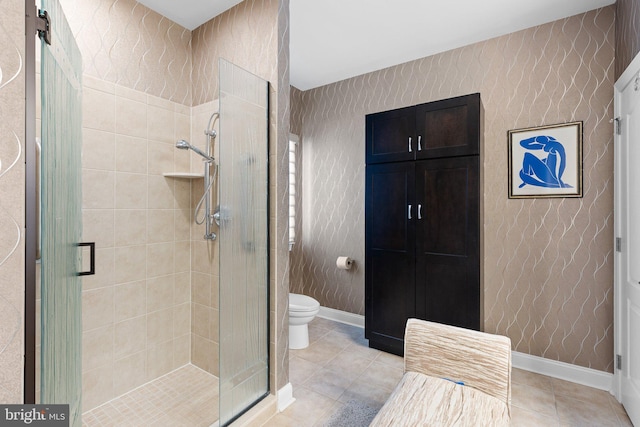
(338, 366)
(185, 397)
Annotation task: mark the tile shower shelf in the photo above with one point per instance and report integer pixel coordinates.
(183, 175)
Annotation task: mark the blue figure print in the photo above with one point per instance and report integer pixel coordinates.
(545, 172)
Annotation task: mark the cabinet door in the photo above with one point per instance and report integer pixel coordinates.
(390, 248)
(447, 241)
(390, 136)
(447, 128)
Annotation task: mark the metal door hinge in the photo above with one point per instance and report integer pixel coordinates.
(43, 25)
(618, 361)
(617, 125)
(618, 244)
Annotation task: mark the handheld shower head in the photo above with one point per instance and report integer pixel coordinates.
(184, 145)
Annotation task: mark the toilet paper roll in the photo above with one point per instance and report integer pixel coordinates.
(344, 262)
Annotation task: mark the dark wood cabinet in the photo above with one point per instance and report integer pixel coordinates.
(422, 228)
(450, 127)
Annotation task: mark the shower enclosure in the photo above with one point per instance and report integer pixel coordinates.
(135, 313)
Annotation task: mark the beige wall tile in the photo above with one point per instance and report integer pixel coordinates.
(181, 351)
(130, 264)
(98, 226)
(182, 194)
(98, 84)
(105, 267)
(131, 117)
(97, 308)
(182, 253)
(182, 221)
(97, 348)
(160, 259)
(129, 94)
(98, 189)
(161, 125)
(131, 191)
(159, 327)
(182, 290)
(130, 300)
(181, 158)
(97, 387)
(131, 372)
(130, 227)
(159, 293)
(98, 149)
(200, 320)
(204, 353)
(182, 320)
(160, 225)
(131, 154)
(130, 336)
(98, 110)
(160, 158)
(159, 359)
(201, 288)
(160, 192)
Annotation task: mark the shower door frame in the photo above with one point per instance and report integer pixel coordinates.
(31, 202)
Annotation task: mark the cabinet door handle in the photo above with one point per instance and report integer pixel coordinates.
(409, 212)
(410, 150)
(419, 142)
(419, 211)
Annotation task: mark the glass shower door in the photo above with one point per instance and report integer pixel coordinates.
(244, 243)
(61, 220)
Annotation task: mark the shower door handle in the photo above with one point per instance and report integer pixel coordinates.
(92, 262)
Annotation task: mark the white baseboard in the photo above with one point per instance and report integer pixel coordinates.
(342, 316)
(539, 365)
(563, 371)
(285, 397)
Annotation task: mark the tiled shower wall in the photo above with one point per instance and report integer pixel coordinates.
(548, 263)
(136, 309)
(12, 190)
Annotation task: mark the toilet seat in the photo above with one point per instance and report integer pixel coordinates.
(302, 303)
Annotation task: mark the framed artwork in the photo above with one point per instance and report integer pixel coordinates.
(546, 161)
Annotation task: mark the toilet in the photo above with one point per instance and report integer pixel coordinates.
(302, 310)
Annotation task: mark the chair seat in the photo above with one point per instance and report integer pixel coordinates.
(422, 400)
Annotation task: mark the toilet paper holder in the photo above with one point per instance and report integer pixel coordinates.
(344, 262)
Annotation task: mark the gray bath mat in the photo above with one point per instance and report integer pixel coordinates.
(352, 414)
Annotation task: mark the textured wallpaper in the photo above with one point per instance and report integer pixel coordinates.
(12, 175)
(627, 33)
(126, 43)
(251, 25)
(548, 263)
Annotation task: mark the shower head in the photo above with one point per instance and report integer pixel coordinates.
(184, 145)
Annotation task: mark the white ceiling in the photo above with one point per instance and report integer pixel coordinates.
(332, 40)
